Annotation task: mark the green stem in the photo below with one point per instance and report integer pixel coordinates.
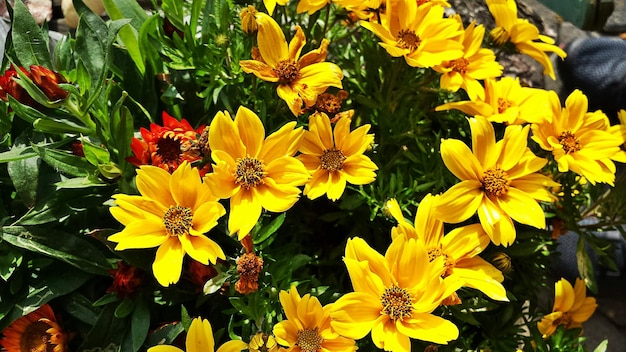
(82, 116)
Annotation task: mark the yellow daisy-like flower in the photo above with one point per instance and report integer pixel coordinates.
(506, 101)
(253, 171)
(200, 339)
(477, 63)
(36, 331)
(173, 213)
(522, 34)
(422, 35)
(392, 299)
(300, 79)
(363, 9)
(460, 247)
(335, 157)
(263, 343)
(307, 327)
(499, 180)
(270, 5)
(571, 307)
(579, 140)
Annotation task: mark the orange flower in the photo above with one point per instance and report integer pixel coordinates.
(36, 331)
(48, 81)
(168, 146)
(9, 86)
(126, 280)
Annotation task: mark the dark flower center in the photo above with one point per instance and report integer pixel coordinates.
(287, 71)
(178, 220)
(570, 143)
(249, 172)
(495, 182)
(397, 303)
(309, 340)
(503, 105)
(332, 160)
(407, 39)
(168, 149)
(36, 338)
(459, 65)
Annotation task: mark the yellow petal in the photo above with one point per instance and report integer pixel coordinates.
(224, 135)
(318, 184)
(284, 142)
(201, 248)
(337, 184)
(296, 44)
(200, 336)
(163, 348)
(460, 161)
(286, 332)
(483, 141)
(522, 208)
(478, 279)
(150, 183)
(272, 42)
(428, 327)
(245, 211)
(259, 69)
(354, 314)
(140, 234)
(233, 346)
(563, 296)
(184, 183)
(359, 170)
(221, 181)
(386, 336)
(276, 198)
(206, 216)
(459, 202)
(251, 130)
(168, 263)
(291, 97)
(319, 125)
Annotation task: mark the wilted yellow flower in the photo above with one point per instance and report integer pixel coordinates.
(571, 307)
(200, 339)
(422, 35)
(506, 101)
(173, 213)
(300, 79)
(307, 326)
(460, 247)
(335, 157)
(475, 64)
(248, 19)
(579, 140)
(392, 299)
(253, 171)
(522, 34)
(499, 181)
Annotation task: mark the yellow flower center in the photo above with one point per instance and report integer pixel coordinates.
(168, 149)
(407, 39)
(332, 160)
(287, 71)
(178, 220)
(249, 172)
(35, 338)
(570, 143)
(396, 303)
(309, 340)
(495, 182)
(503, 105)
(565, 320)
(459, 65)
(434, 253)
(499, 35)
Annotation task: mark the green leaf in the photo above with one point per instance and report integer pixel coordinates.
(125, 307)
(66, 247)
(164, 334)
(10, 259)
(270, 229)
(602, 347)
(64, 161)
(185, 319)
(80, 182)
(90, 47)
(135, 16)
(24, 174)
(60, 126)
(95, 155)
(29, 43)
(106, 299)
(140, 323)
(107, 330)
(62, 54)
(24, 112)
(81, 308)
(585, 266)
(173, 10)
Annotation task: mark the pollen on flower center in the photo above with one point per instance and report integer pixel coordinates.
(570, 143)
(36, 338)
(309, 340)
(565, 320)
(178, 220)
(396, 303)
(434, 253)
(332, 159)
(249, 172)
(503, 105)
(168, 149)
(287, 71)
(459, 65)
(407, 39)
(495, 182)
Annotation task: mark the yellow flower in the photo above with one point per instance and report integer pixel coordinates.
(307, 326)
(311, 6)
(506, 101)
(460, 247)
(420, 34)
(391, 298)
(300, 79)
(36, 331)
(363, 9)
(571, 307)
(579, 140)
(173, 213)
(270, 5)
(522, 34)
(200, 339)
(476, 64)
(335, 157)
(248, 19)
(498, 180)
(254, 172)
(263, 343)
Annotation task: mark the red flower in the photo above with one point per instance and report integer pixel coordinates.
(168, 146)
(48, 81)
(9, 86)
(126, 280)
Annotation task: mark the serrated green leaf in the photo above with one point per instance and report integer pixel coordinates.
(29, 43)
(66, 247)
